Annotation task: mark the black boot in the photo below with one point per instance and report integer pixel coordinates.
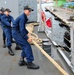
(4, 44)
(4, 40)
(18, 47)
(32, 66)
(10, 51)
(13, 41)
(22, 62)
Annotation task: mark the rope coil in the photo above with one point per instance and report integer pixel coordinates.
(30, 28)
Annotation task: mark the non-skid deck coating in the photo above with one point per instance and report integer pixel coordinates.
(9, 64)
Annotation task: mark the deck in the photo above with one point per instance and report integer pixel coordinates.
(9, 64)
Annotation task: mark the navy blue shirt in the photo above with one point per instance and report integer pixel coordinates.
(20, 24)
(6, 20)
(1, 16)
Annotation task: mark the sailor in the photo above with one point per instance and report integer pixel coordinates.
(6, 20)
(4, 37)
(20, 34)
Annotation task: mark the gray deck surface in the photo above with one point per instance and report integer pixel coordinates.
(9, 64)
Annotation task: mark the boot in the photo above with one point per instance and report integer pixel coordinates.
(22, 62)
(4, 44)
(13, 41)
(32, 66)
(10, 51)
(18, 47)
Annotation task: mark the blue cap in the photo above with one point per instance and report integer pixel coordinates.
(28, 8)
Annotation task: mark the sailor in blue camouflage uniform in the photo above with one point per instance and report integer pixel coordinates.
(20, 34)
(4, 37)
(6, 20)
